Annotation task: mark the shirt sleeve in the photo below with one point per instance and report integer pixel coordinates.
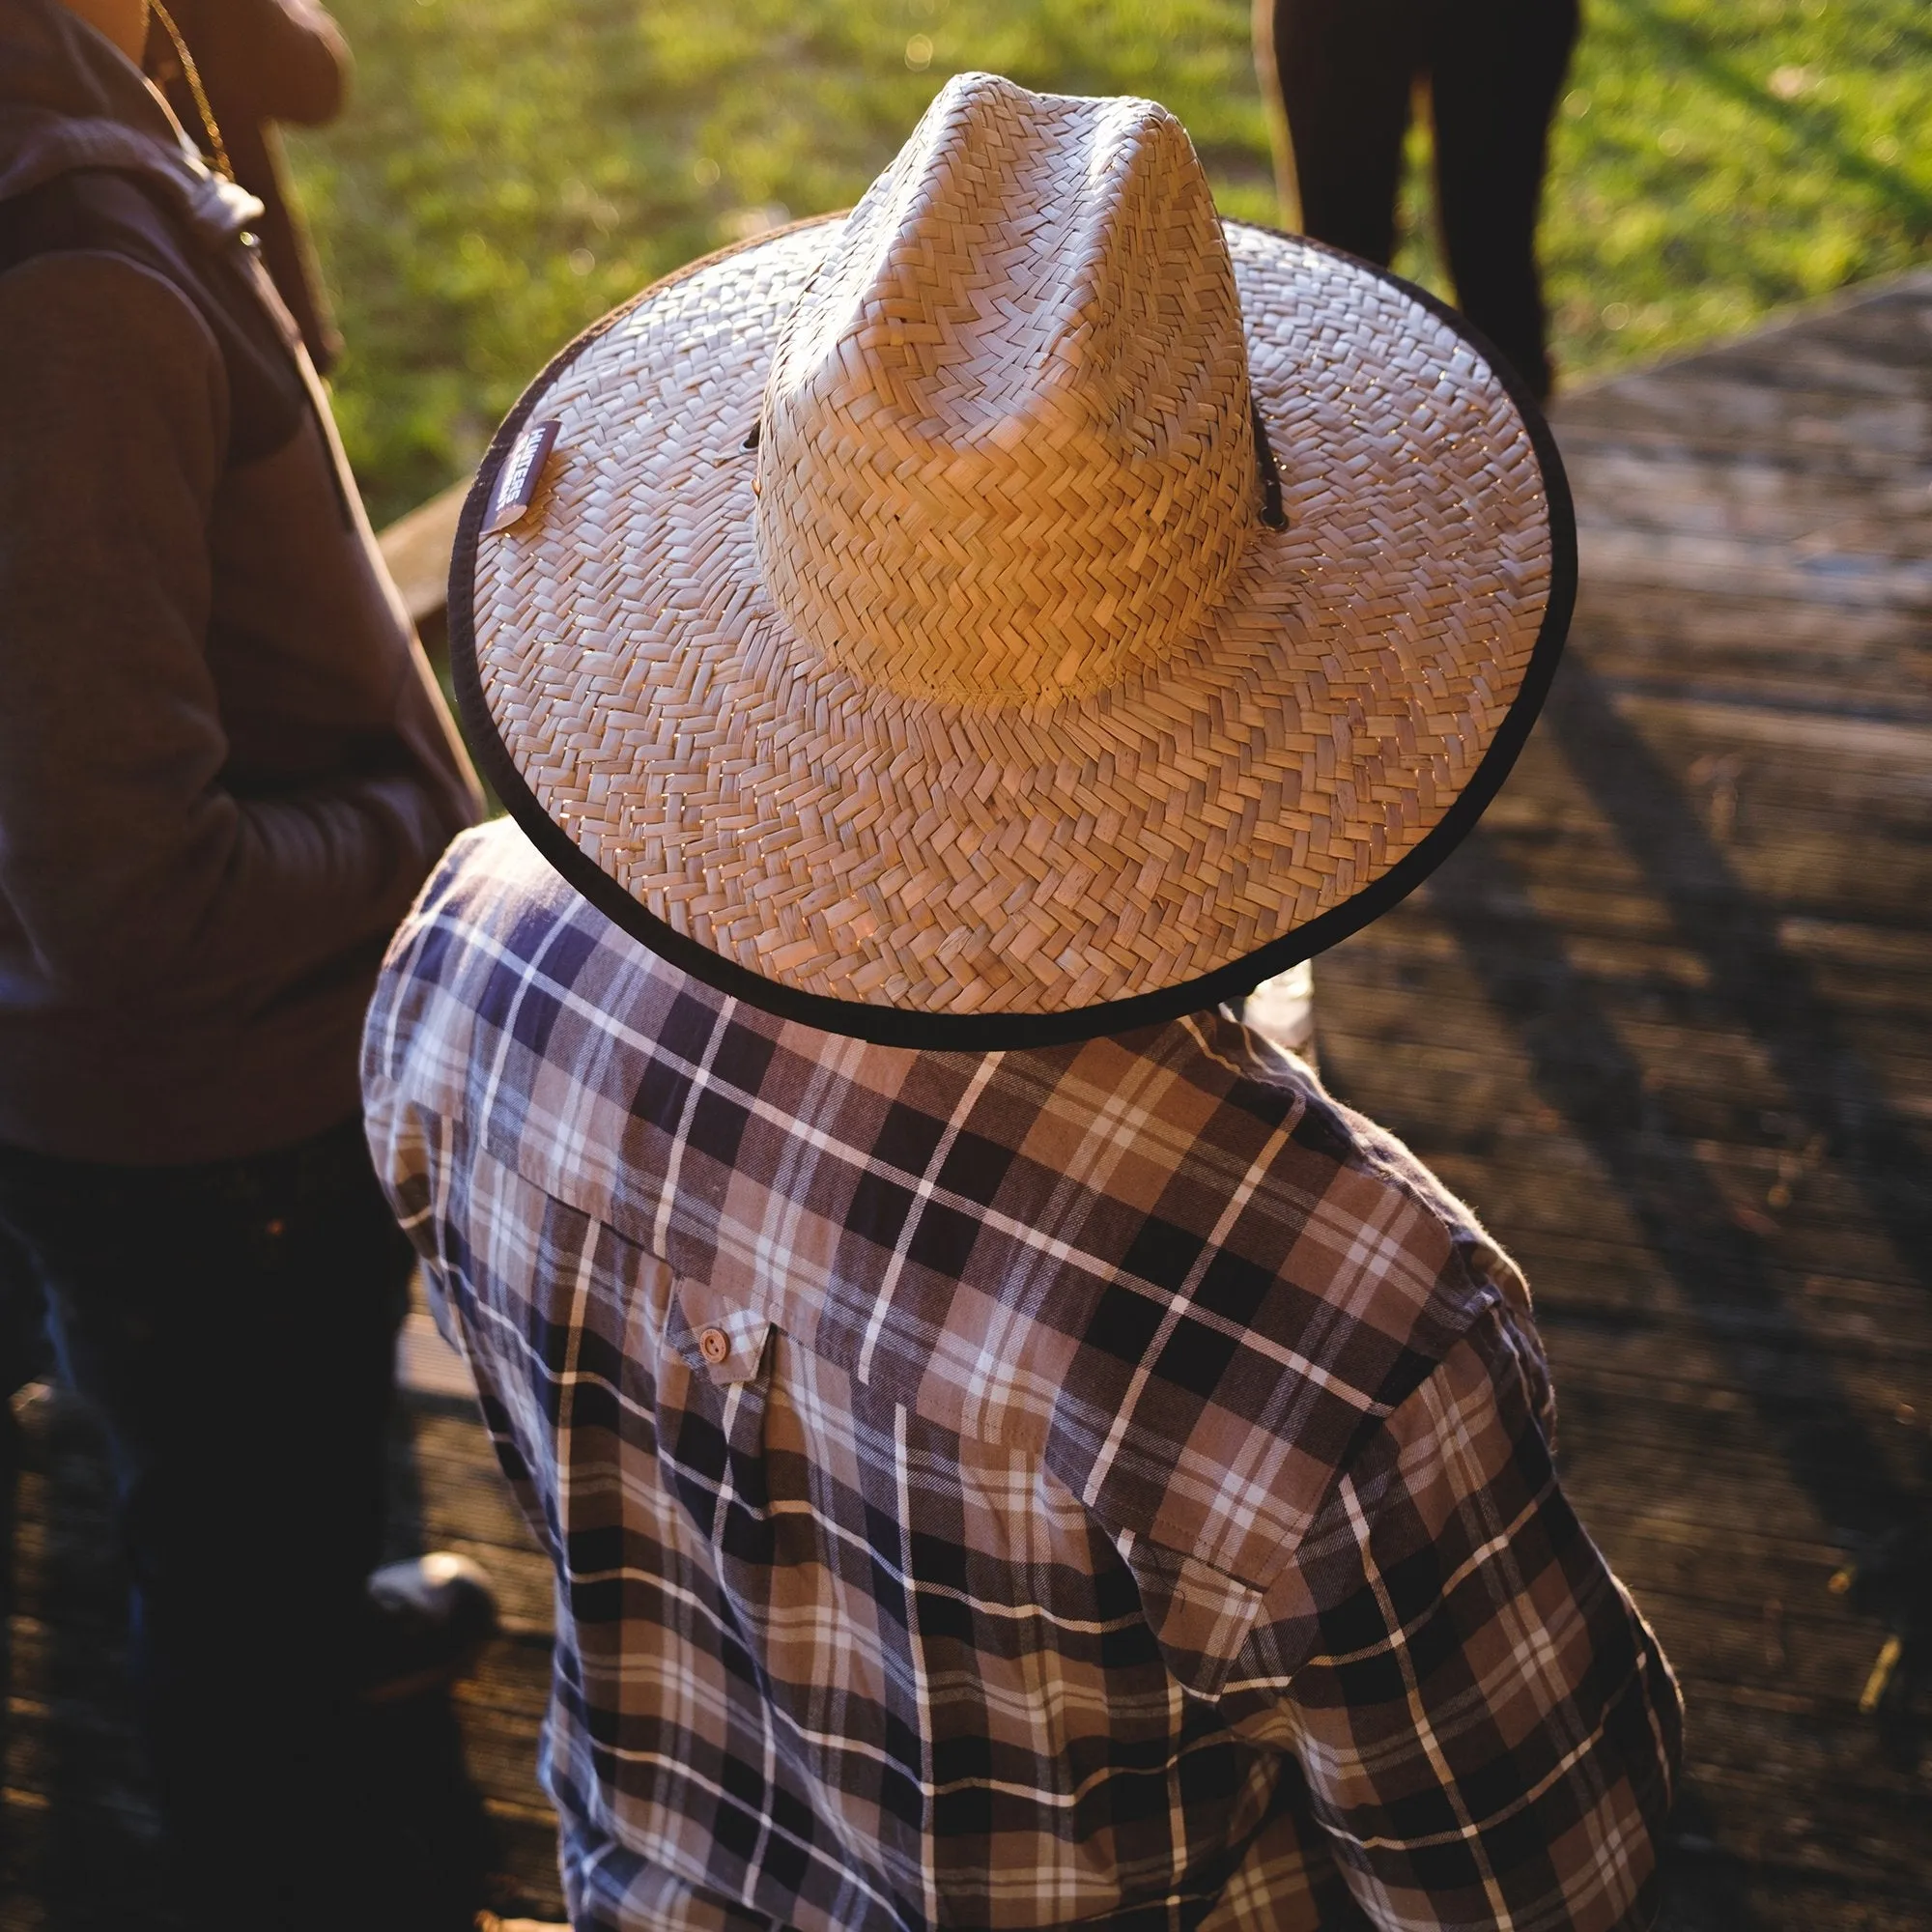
(1487, 1730)
(130, 865)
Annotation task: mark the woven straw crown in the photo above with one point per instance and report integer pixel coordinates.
(1114, 606)
(1006, 451)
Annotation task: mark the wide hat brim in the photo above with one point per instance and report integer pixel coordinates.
(974, 879)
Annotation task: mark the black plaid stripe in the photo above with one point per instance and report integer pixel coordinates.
(1122, 1498)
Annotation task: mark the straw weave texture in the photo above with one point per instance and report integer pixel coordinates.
(1017, 382)
(752, 763)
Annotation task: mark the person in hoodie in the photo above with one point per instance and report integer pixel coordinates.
(225, 772)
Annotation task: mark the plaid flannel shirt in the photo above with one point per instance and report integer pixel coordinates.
(1108, 1485)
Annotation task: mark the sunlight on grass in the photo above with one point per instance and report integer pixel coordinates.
(509, 169)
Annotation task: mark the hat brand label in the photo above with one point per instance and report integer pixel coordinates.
(517, 479)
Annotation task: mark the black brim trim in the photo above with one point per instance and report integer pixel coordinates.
(989, 1032)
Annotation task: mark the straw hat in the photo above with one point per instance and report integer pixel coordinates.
(1024, 607)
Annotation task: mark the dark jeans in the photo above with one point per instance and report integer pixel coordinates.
(236, 1325)
(1493, 68)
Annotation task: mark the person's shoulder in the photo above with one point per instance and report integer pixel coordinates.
(65, 241)
(489, 866)
(1283, 1275)
(1257, 1140)
(92, 211)
(490, 892)
(104, 360)
(90, 266)
(495, 925)
(501, 986)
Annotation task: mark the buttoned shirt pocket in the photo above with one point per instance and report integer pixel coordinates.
(722, 1340)
(1201, 1617)
(714, 1388)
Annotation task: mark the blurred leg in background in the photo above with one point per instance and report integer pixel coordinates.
(1346, 73)
(1496, 71)
(235, 1323)
(1345, 69)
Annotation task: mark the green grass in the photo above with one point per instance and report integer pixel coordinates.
(508, 169)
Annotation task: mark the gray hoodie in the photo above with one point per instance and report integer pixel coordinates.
(224, 768)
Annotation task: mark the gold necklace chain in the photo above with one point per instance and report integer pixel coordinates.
(193, 74)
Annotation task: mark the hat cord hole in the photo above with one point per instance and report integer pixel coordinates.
(1273, 516)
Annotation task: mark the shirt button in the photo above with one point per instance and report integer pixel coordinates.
(714, 1345)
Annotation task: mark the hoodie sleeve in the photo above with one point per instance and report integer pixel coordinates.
(129, 866)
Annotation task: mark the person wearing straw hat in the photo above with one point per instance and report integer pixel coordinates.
(1015, 1452)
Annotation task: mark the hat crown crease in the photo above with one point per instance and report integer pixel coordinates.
(1006, 455)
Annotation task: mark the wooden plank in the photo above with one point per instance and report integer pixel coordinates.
(416, 548)
(1839, 579)
(1669, 1024)
(427, 1365)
